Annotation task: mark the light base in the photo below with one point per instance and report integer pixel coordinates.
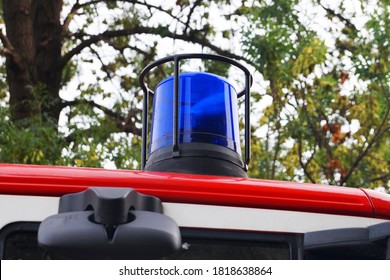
(197, 158)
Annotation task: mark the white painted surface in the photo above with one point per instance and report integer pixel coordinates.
(36, 208)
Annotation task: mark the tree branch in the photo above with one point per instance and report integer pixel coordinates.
(187, 24)
(339, 16)
(9, 51)
(193, 37)
(304, 166)
(150, 6)
(124, 124)
(69, 17)
(379, 133)
(93, 39)
(381, 178)
(267, 160)
(77, 6)
(322, 143)
(276, 153)
(104, 66)
(105, 110)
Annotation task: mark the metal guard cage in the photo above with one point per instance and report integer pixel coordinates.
(175, 149)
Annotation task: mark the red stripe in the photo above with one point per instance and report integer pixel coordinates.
(198, 189)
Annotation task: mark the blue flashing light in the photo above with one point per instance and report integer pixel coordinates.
(207, 112)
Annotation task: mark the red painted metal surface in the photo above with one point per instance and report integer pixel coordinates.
(196, 189)
(380, 203)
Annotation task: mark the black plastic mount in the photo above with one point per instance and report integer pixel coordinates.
(198, 158)
(175, 149)
(111, 206)
(372, 242)
(380, 234)
(109, 223)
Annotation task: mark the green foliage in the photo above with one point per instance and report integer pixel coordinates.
(30, 143)
(3, 83)
(218, 68)
(309, 125)
(328, 121)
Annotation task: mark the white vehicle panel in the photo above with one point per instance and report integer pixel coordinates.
(16, 208)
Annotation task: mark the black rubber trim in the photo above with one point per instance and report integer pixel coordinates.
(14, 228)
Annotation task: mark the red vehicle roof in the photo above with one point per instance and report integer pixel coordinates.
(197, 189)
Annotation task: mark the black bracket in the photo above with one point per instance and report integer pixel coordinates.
(111, 206)
(372, 242)
(109, 223)
(380, 233)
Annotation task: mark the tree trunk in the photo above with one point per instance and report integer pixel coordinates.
(34, 34)
(48, 42)
(21, 74)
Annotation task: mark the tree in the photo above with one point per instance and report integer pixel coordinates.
(328, 81)
(45, 41)
(329, 118)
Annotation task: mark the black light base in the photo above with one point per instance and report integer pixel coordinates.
(197, 158)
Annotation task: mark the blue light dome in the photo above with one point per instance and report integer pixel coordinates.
(207, 112)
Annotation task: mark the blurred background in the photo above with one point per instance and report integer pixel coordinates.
(320, 102)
